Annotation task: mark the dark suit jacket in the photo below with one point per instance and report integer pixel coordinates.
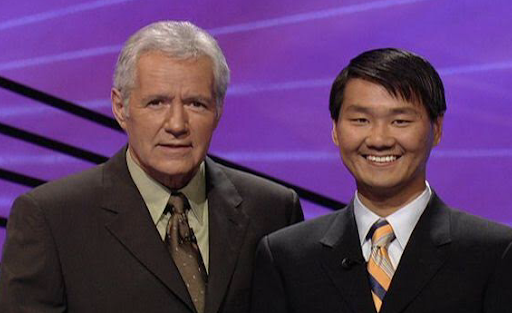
(454, 262)
(87, 243)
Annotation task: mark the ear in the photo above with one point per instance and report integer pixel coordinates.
(118, 107)
(438, 130)
(334, 133)
(218, 114)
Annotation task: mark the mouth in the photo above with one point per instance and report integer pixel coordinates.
(382, 159)
(176, 146)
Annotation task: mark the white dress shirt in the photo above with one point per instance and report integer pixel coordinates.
(403, 222)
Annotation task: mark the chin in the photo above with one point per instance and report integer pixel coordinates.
(174, 171)
(379, 185)
(178, 167)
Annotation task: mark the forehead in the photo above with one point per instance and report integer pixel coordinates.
(364, 94)
(156, 65)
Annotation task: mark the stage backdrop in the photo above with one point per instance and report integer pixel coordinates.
(283, 56)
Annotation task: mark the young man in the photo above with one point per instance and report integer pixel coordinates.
(396, 247)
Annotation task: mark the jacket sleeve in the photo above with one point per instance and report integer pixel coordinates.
(295, 210)
(30, 273)
(498, 296)
(268, 294)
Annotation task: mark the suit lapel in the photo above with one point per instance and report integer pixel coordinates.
(427, 250)
(130, 222)
(341, 242)
(227, 228)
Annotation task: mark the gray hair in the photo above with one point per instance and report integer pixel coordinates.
(177, 39)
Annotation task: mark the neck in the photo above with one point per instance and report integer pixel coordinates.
(387, 201)
(172, 182)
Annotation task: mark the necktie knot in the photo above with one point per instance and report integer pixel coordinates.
(381, 233)
(178, 203)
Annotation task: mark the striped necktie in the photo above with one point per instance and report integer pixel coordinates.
(380, 269)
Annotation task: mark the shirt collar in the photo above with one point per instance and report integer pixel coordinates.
(402, 220)
(156, 195)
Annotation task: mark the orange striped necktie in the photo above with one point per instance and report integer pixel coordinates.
(380, 269)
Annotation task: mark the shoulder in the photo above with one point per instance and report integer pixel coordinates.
(269, 205)
(246, 183)
(87, 184)
(58, 202)
(469, 234)
(77, 186)
(299, 243)
(307, 233)
(471, 228)
(464, 227)
(65, 199)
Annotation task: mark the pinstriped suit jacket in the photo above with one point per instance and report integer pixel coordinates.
(453, 262)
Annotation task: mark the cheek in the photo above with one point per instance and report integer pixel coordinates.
(205, 137)
(203, 131)
(418, 142)
(348, 140)
(142, 133)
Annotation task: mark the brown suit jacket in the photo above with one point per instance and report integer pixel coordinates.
(87, 243)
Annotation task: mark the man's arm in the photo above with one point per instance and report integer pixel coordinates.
(268, 294)
(30, 273)
(295, 212)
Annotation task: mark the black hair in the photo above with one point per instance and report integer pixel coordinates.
(403, 74)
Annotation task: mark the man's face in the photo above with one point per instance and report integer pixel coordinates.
(384, 141)
(171, 116)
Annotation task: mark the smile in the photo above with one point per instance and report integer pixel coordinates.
(382, 159)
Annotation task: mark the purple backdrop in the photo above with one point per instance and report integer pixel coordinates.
(284, 56)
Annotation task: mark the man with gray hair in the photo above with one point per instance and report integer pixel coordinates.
(159, 227)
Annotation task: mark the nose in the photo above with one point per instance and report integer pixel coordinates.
(380, 137)
(176, 121)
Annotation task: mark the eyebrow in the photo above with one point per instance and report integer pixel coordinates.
(157, 96)
(395, 111)
(357, 108)
(166, 98)
(198, 98)
(405, 111)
